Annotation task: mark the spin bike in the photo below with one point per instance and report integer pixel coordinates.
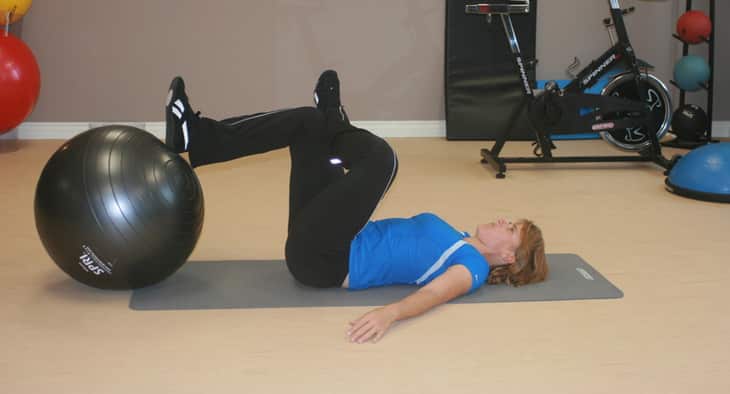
(632, 112)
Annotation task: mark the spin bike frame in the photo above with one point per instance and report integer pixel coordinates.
(621, 52)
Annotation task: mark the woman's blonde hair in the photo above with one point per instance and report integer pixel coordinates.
(530, 264)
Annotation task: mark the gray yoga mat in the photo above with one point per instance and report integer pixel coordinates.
(268, 284)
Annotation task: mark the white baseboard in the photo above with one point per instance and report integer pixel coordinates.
(721, 129)
(66, 130)
(405, 128)
(386, 129)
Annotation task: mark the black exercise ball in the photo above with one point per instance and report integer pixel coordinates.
(116, 209)
(690, 123)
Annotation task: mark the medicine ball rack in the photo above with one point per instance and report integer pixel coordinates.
(8, 17)
(710, 41)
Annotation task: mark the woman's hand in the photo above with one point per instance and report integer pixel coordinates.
(447, 286)
(372, 325)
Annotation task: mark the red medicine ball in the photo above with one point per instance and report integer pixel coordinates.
(693, 26)
(20, 82)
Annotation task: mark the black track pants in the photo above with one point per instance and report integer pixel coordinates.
(328, 206)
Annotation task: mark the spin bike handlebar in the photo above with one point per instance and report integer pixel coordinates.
(504, 7)
(521, 7)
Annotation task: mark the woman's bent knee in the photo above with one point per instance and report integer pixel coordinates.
(311, 267)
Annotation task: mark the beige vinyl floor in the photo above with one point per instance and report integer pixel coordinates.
(668, 254)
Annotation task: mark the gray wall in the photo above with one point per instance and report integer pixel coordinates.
(574, 28)
(112, 60)
(722, 60)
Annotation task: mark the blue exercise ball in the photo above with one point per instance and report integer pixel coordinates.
(703, 174)
(691, 72)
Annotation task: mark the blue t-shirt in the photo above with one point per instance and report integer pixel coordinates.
(411, 251)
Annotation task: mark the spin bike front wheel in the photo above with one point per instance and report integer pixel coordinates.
(624, 85)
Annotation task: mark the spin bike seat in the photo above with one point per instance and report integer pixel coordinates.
(503, 7)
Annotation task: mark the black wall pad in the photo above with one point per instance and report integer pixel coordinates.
(482, 86)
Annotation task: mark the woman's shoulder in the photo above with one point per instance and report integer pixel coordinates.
(428, 216)
(437, 223)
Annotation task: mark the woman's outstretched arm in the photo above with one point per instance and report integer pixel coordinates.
(453, 283)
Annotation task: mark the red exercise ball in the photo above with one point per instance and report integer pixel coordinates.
(20, 82)
(694, 26)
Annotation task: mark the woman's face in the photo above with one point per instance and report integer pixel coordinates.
(501, 236)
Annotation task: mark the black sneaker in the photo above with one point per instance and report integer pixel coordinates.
(327, 91)
(178, 116)
(327, 94)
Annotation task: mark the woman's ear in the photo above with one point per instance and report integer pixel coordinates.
(508, 258)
